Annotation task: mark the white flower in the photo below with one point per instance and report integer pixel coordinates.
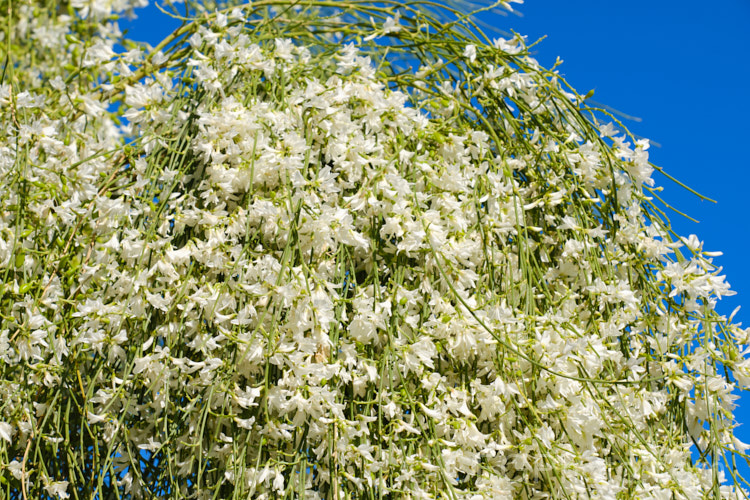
(58, 488)
(284, 49)
(6, 431)
(151, 445)
(470, 51)
(93, 418)
(392, 25)
(16, 469)
(278, 483)
(508, 46)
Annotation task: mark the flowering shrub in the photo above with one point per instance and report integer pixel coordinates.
(340, 252)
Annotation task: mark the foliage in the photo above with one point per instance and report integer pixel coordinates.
(340, 250)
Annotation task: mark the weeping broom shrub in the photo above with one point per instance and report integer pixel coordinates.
(340, 250)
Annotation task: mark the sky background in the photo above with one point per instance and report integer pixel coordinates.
(683, 68)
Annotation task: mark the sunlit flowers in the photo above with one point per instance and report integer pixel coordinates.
(305, 253)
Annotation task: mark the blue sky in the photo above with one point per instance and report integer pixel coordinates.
(683, 68)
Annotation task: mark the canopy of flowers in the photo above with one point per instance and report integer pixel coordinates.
(340, 250)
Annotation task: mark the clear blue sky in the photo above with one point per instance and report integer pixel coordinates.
(683, 67)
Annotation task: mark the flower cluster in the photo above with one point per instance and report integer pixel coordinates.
(265, 260)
